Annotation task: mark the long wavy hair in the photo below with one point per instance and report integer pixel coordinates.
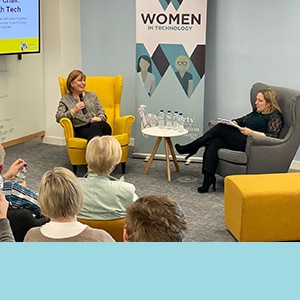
(271, 98)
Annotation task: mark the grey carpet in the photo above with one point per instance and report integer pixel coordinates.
(204, 212)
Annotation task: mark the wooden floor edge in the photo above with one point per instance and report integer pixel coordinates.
(24, 139)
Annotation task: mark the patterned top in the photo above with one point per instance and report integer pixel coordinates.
(270, 124)
(20, 196)
(93, 109)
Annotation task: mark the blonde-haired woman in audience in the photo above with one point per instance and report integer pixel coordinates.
(60, 199)
(105, 197)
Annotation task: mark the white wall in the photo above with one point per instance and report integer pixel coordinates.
(62, 53)
(21, 96)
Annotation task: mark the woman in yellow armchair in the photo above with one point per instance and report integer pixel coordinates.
(83, 108)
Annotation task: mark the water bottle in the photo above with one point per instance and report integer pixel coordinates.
(180, 122)
(175, 120)
(169, 120)
(161, 119)
(21, 175)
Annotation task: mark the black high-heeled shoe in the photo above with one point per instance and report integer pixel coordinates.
(209, 179)
(191, 148)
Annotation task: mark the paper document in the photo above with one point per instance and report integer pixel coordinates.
(227, 122)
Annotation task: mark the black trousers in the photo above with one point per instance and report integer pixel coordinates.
(21, 220)
(93, 129)
(220, 136)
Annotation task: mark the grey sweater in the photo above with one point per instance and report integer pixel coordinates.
(87, 235)
(6, 234)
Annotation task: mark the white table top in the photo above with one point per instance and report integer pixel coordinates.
(158, 132)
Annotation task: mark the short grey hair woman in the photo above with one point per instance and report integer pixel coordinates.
(105, 197)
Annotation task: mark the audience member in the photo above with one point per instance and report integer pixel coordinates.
(154, 219)
(83, 108)
(23, 211)
(105, 197)
(60, 199)
(16, 193)
(6, 234)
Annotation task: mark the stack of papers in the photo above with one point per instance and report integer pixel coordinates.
(227, 122)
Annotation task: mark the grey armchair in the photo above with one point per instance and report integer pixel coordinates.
(266, 154)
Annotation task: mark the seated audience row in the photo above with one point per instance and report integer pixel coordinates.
(98, 196)
(149, 219)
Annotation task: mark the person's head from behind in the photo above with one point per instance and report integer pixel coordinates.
(2, 157)
(76, 80)
(60, 194)
(154, 218)
(266, 101)
(103, 154)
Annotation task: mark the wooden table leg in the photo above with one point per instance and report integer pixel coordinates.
(173, 154)
(167, 158)
(152, 155)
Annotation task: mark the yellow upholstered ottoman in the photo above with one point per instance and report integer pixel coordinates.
(263, 207)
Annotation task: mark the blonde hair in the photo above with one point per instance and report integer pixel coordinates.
(72, 76)
(103, 153)
(184, 59)
(60, 194)
(271, 98)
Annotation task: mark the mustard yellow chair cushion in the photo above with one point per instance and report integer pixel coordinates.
(109, 92)
(263, 207)
(113, 227)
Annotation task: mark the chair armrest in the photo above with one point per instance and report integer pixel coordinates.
(123, 124)
(267, 154)
(68, 128)
(258, 140)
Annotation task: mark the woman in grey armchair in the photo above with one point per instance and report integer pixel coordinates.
(266, 119)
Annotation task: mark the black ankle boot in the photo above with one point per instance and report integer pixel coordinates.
(190, 148)
(209, 179)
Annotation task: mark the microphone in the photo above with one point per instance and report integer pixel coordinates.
(81, 99)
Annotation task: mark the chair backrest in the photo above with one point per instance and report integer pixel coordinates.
(109, 91)
(288, 100)
(113, 227)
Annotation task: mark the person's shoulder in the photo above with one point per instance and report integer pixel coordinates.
(33, 234)
(277, 114)
(97, 235)
(66, 97)
(90, 94)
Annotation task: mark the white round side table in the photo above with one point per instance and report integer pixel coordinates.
(167, 134)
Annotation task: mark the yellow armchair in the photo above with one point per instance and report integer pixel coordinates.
(113, 227)
(109, 92)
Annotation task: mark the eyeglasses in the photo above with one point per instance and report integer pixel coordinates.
(183, 63)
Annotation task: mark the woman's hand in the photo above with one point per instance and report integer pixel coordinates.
(96, 119)
(246, 130)
(11, 173)
(78, 107)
